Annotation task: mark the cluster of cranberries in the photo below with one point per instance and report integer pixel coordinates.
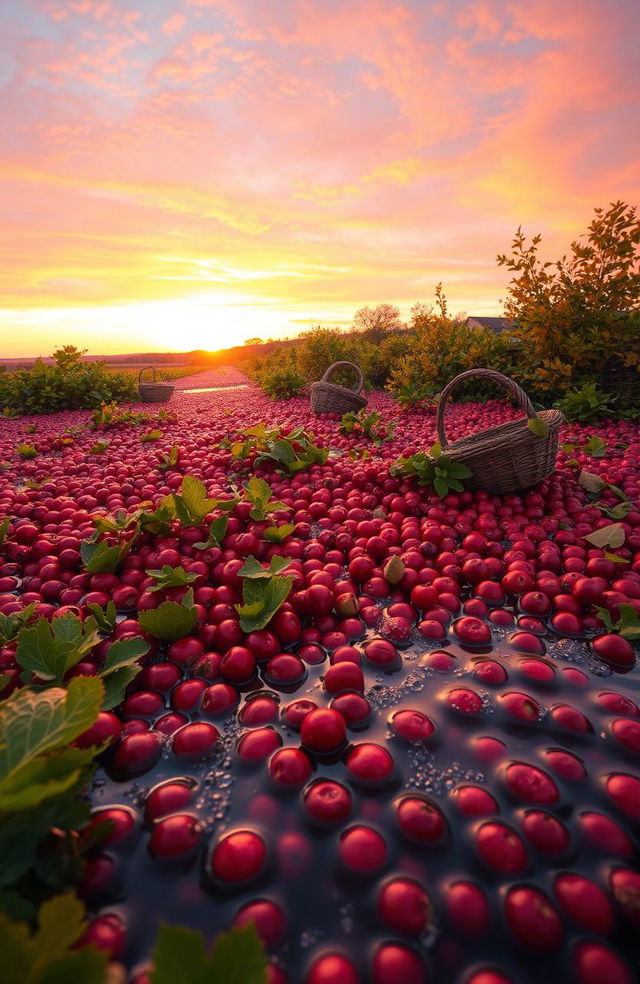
(432, 771)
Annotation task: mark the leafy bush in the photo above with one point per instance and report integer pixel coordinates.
(433, 468)
(281, 382)
(573, 315)
(68, 385)
(586, 404)
(320, 348)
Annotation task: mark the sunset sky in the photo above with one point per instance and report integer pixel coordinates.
(189, 173)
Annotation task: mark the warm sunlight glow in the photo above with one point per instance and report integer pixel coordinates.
(190, 173)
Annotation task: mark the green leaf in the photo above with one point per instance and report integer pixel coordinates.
(269, 593)
(596, 447)
(238, 957)
(170, 577)
(607, 536)
(615, 559)
(105, 617)
(11, 625)
(538, 426)
(32, 724)
(252, 568)
(441, 487)
(180, 957)
(217, 532)
(116, 683)
(171, 620)
(100, 557)
(4, 529)
(619, 511)
(124, 652)
(436, 450)
(50, 649)
(43, 777)
(193, 503)
(278, 534)
(153, 435)
(159, 521)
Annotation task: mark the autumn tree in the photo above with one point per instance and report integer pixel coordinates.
(375, 323)
(574, 314)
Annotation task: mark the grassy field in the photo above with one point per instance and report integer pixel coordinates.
(166, 373)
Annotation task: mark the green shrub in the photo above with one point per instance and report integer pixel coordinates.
(322, 347)
(68, 385)
(586, 404)
(281, 383)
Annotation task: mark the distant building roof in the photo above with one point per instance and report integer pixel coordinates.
(497, 325)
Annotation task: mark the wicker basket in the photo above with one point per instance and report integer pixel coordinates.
(327, 397)
(155, 392)
(508, 457)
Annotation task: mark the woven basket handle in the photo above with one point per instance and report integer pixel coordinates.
(153, 370)
(350, 365)
(513, 389)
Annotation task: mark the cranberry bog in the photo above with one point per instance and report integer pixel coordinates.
(399, 733)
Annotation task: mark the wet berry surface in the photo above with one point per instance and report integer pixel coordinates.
(420, 781)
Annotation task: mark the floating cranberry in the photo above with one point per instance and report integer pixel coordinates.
(471, 631)
(474, 801)
(106, 932)
(332, 968)
(290, 767)
(467, 908)
(328, 801)
(627, 733)
(219, 699)
(106, 728)
(615, 651)
(594, 963)
(255, 746)
(501, 849)
(585, 902)
(98, 878)
(323, 730)
(187, 695)
(624, 791)
(420, 819)
(565, 764)
(545, 832)
(526, 642)
(489, 672)
(363, 849)
(121, 821)
(605, 835)
(570, 717)
(195, 740)
(464, 700)
(369, 762)
(488, 975)
(488, 749)
(268, 918)
(393, 962)
(168, 724)
(403, 905)
(521, 706)
(343, 676)
(618, 704)
(294, 714)
(531, 784)
(258, 710)
(532, 918)
(137, 753)
(411, 725)
(381, 653)
(625, 886)
(238, 857)
(353, 707)
(175, 836)
(168, 797)
(537, 669)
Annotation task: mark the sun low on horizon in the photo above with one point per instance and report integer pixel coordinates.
(183, 174)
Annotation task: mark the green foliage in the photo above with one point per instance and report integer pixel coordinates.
(433, 468)
(171, 620)
(170, 459)
(99, 447)
(49, 955)
(192, 503)
(366, 425)
(48, 650)
(574, 314)
(153, 435)
(180, 957)
(290, 452)
(102, 556)
(586, 404)
(281, 381)
(627, 624)
(538, 426)
(264, 591)
(68, 385)
(258, 493)
(10, 625)
(26, 451)
(111, 415)
(278, 534)
(4, 529)
(170, 577)
(105, 617)
(217, 533)
(320, 348)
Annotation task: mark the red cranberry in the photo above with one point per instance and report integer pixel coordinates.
(594, 963)
(532, 918)
(295, 713)
(369, 762)
(363, 849)
(137, 753)
(258, 710)
(605, 835)
(332, 968)
(255, 746)
(474, 801)
(464, 700)
(411, 725)
(531, 784)
(625, 886)
(585, 902)
(268, 918)
(175, 836)
(467, 909)
(393, 962)
(624, 791)
(545, 832)
(238, 857)
(420, 820)
(501, 848)
(404, 906)
(107, 933)
(168, 797)
(614, 650)
(328, 801)
(323, 730)
(343, 676)
(121, 821)
(520, 706)
(284, 670)
(290, 767)
(219, 699)
(381, 653)
(195, 740)
(565, 764)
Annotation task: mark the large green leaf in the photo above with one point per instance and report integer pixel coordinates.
(192, 503)
(170, 620)
(180, 957)
(100, 557)
(43, 777)
(170, 577)
(262, 597)
(116, 683)
(32, 724)
(50, 649)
